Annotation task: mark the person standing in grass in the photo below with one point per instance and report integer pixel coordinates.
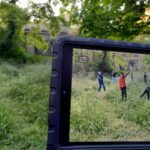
(100, 81)
(132, 76)
(122, 85)
(146, 91)
(145, 77)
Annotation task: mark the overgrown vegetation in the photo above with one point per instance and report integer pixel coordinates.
(20, 28)
(24, 99)
(108, 19)
(106, 117)
(147, 62)
(24, 87)
(12, 19)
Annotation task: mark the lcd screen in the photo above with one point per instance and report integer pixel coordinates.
(110, 96)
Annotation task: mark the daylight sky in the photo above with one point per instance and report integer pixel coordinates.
(23, 3)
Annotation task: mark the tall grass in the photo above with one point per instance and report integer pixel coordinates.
(104, 116)
(24, 100)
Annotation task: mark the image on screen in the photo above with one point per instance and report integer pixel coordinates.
(110, 96)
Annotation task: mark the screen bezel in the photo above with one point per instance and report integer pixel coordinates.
(60, 95)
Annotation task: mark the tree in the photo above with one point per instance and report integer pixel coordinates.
(111, 19)
(13, 1)
(12, 19)
(43, 14)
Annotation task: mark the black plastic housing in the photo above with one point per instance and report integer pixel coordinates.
(60, 92)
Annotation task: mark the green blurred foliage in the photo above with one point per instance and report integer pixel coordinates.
(43, 14)
(108, 19)
(14, 39)
(12, 19)
(146, 61)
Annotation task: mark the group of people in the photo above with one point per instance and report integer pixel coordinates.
(122, 83)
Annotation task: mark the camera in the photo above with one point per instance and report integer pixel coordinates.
(99, 95)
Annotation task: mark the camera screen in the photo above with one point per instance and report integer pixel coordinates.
(110, 96)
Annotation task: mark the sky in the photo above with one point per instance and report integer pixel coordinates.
(23, 4)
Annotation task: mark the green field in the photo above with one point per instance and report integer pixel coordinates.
(24, 101)
(104, 116)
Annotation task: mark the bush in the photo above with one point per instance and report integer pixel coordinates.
(34, 58)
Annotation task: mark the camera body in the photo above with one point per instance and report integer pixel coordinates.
(61, 89)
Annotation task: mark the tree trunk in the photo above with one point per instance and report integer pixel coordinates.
(13, 1)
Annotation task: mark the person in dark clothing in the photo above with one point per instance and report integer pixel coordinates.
(146, 91)
(145, 77)
(100, 81)
(132, 76)
(122, 85)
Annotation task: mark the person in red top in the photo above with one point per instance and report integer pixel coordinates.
(122, 85)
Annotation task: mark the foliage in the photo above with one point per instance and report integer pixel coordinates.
(24, 100)
(34, 39)
(105, 64)
(105, 61)
(13, 39)
(7, 123)
(33, 58)
(147, 62)
(108, 19)
(43, 14)
(12, 19)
